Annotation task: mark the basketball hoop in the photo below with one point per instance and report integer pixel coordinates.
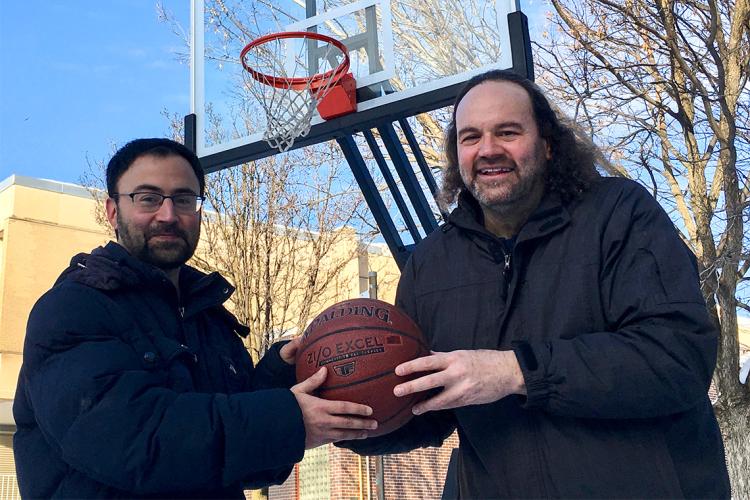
(292, 84)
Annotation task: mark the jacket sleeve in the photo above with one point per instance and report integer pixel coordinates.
(272, 371)
(113, 418)
(429, 429)
(658, 351)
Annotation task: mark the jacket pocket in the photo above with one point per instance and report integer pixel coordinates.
(176, 359)
(234, 377)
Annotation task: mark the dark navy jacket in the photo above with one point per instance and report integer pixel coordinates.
(600, 300)
(126, 391)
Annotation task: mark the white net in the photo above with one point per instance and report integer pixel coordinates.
(290, 105)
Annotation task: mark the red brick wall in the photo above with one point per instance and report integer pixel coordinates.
(417, 475)
(288, 490)
(343, 473)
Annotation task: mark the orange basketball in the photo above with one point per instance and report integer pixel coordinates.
(360, 342)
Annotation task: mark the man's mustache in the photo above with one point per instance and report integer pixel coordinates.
(497, 161)
(166, 230)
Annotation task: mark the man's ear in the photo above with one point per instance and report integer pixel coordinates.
(110, 205)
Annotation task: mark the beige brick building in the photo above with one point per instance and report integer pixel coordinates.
(42, 225)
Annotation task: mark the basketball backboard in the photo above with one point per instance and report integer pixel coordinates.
(408, 56)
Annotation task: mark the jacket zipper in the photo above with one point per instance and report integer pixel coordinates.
(506, 274)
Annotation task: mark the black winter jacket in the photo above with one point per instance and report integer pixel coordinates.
(600, 301)
(126, 391)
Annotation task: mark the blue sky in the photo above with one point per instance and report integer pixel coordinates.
(77, 76)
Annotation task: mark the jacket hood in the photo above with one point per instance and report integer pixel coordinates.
(107, 268)
(111, 267)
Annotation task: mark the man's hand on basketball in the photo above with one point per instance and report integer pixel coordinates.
(466, 378)
(288, 351)
(330, 421)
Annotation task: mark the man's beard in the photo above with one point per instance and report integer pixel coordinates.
(164, 255)
(512, 194)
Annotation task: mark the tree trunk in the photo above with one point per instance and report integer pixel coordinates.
(735, 422)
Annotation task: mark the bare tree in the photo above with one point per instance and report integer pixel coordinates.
(662, 86)
(281, 230)
(94, 180)
(279, 235)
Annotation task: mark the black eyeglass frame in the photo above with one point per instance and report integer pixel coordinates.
(198, 201)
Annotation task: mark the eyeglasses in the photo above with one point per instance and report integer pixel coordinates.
(184, 203)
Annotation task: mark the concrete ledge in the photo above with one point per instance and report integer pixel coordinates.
(45, 184)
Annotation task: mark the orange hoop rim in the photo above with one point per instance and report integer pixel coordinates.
(302, 82)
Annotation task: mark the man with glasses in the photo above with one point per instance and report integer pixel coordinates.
(135, 381)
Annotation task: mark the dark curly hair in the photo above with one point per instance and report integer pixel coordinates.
(572, 167)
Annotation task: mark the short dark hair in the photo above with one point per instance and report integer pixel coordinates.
(573, 165)
(159, 147)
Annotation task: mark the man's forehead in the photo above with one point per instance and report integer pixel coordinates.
(506, 99)
(167, 173)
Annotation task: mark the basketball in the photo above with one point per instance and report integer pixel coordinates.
(360, 342)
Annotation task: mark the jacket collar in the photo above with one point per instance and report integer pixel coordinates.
(199, 290)
(550, 216)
